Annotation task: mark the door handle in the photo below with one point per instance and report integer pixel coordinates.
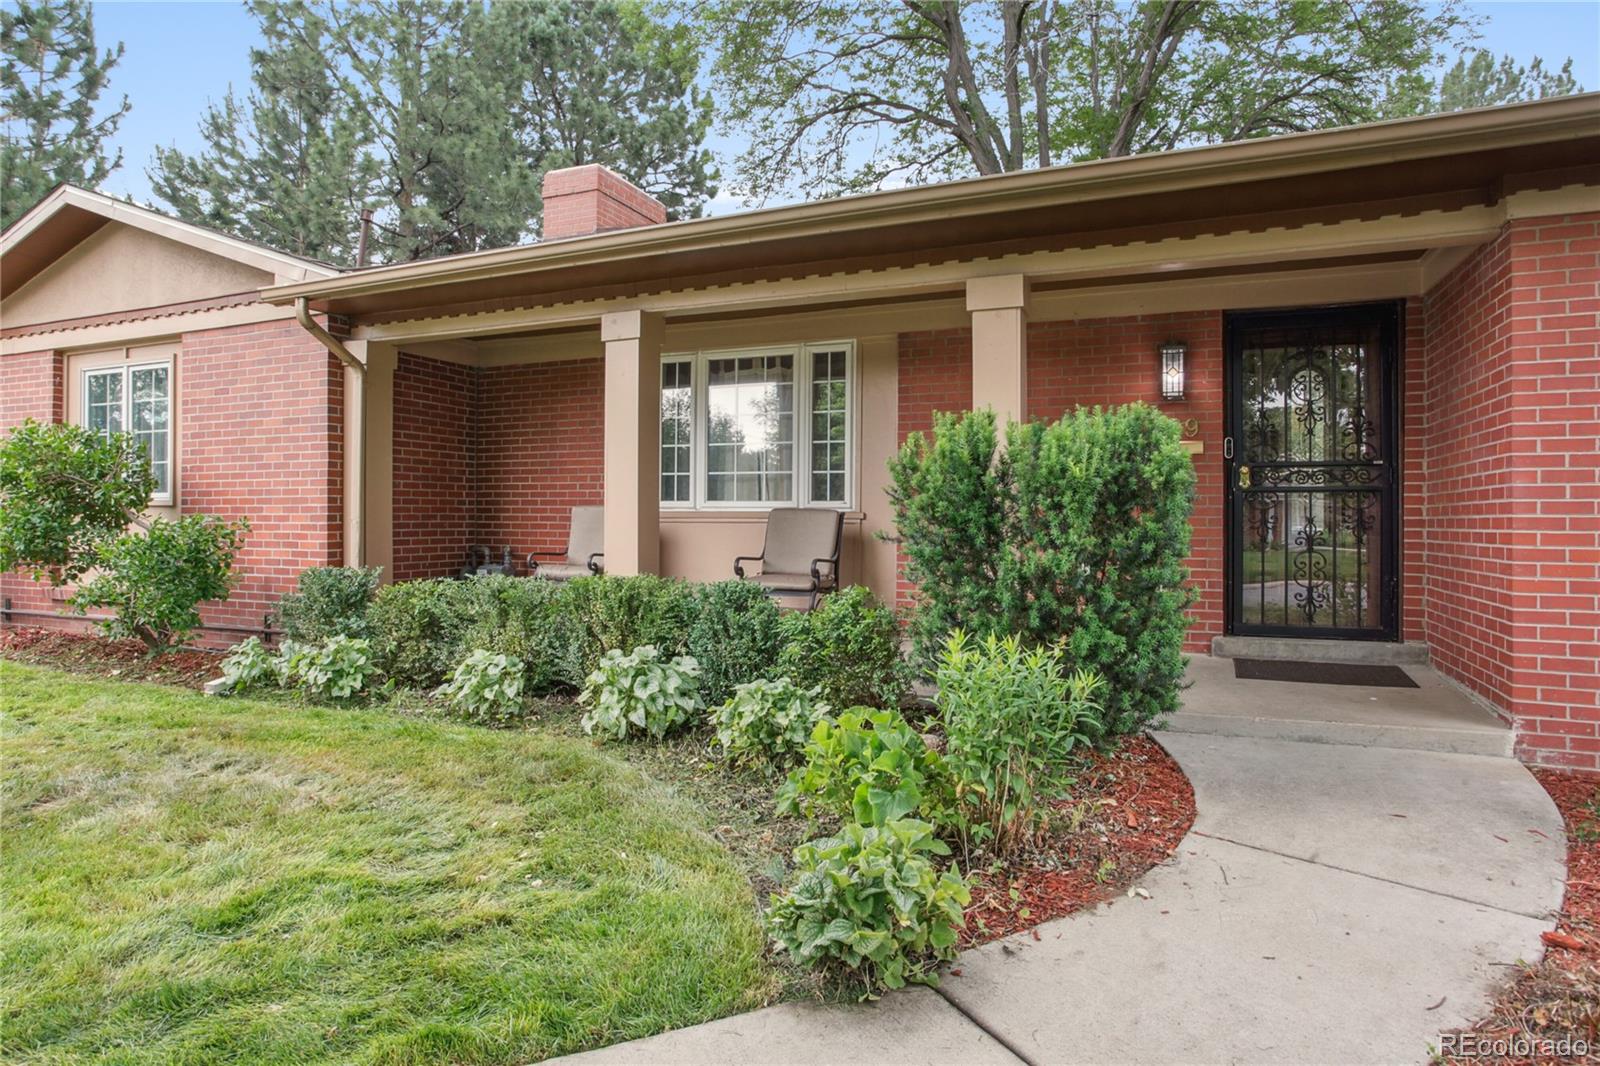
(1244, 477)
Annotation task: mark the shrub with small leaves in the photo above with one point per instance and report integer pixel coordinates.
(734, 636)
(872, 901)
(250, 663)
(640, 692)
(849, 647)
(620, 613)
(525, 619)
(870, 766)
(417, 629)
(337, 669)
(768, 721)
(486, 687)
(328, 601)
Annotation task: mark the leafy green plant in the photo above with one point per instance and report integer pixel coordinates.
(418, 629)
(870, 766)
(486, 687)
(734, 637)
(848, 647)
(872, 901)
(767, 721)
(524, 618)
(66, 492)
(329, 601)
(337, 669)
(1011, 721)
(154, 582)
(248, 664)
(640, 692)
(623, 613)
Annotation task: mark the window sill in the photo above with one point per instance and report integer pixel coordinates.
(732, 517)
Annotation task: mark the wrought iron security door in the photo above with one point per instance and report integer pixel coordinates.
(1311, 473)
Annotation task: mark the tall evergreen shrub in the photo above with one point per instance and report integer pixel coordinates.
(949, 491)
(1077, 533)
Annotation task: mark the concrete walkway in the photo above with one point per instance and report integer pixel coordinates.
(1333, 903)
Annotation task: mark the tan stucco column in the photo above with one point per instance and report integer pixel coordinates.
(999, 308)
(633, 454)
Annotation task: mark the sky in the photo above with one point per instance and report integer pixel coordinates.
(182, 56)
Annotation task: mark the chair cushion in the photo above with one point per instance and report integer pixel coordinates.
(779, 580)
(561, 571)
(797, 535)
(587, 534)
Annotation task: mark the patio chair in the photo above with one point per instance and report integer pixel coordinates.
(479, 562)
(586, 548)
(799, 554)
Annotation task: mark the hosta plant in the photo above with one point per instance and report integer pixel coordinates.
(872, 901)
(1012, 722)
(768, 721)
(640, 692)
(250, 663)
(870, 766)
(486, 687)
(337, 669)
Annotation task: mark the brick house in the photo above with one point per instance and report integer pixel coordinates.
(1383, 344)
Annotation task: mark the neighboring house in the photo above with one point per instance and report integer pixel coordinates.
(1390, 378)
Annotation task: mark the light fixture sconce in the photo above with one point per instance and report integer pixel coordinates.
(1172, 371)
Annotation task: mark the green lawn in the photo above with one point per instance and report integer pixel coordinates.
(198, 880)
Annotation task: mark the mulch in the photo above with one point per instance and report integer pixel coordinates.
(1557, 1000)
(124, 660)
(1127, 813)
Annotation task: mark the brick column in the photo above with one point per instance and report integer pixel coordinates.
(999, 308)
(632, 441)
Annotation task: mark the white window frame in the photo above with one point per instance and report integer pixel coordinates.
(699, 445)
(126, 370)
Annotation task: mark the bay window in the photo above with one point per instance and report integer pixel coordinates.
(757, 428)
(136, 400)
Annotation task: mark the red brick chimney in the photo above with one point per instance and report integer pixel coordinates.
(579, 201)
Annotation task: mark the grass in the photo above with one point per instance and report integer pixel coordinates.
(198, 880)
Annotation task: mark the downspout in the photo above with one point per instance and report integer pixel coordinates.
(355, 437)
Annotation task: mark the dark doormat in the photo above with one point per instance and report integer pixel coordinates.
(1322, 673)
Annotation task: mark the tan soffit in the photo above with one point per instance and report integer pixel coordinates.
(1471, 151)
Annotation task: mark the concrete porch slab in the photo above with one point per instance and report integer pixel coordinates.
(1435, 716)
(1388, 814)
(1319, 651)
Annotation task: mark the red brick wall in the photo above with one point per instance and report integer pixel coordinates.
(1512, 367)
(1413, 471)
(1465, 540)
(1555, 488)
(934, 374)
(31, 386)
(540, 451)
(496, 456)
(1112, 361)
(434, 418)
(261, 421)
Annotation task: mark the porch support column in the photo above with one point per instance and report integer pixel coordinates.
(999, 308)
(632, 438)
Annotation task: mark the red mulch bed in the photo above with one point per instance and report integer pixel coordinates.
(126, 660)
(1559, 998)
(1132, 807)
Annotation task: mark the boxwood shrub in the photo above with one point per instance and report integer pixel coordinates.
(848, 647)
(734, 637)
(419, 629)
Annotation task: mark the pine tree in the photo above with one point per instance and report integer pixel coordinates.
(50, 80)
(442, 115)
(285, 167)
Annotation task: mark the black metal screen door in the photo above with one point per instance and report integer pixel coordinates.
(1311, 473)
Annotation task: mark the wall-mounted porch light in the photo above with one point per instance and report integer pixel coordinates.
(1172, 371)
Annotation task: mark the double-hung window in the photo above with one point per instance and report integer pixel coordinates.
(755, 428)
(137, 400)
